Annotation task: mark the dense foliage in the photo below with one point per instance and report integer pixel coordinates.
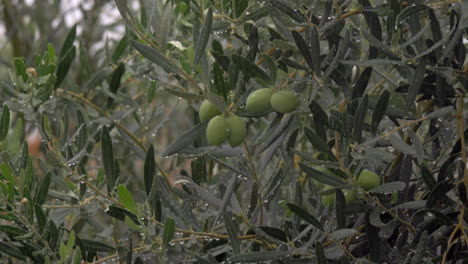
(330, 132)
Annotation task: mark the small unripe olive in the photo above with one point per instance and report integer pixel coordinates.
(236, 130)
(284, 102)
(368, 180)
(208, 111)
(350, 196)
(259, 101)
(216, 131)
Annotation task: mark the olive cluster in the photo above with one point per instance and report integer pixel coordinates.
(262, 100)
(222, 127)
(367, 180)
(230, 127)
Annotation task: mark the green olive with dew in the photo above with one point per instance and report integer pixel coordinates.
(208, 110)
(259, 101)
(368, 180)
(236, 130)
(216, 131)
(284, 101)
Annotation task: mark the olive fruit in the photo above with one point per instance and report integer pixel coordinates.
(236, 130)
(328, 199)
(216, 131)
(350, 196)
(259, 101)
(368, 180)
(284, 101)
(208, 111)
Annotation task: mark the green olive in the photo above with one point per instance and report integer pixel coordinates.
(368, 180)
(216, 131)
(284, 102)
(236, 130)
(350, 196)
(259, 101)
(208, 111)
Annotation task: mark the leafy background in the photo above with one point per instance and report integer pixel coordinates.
(103, 158)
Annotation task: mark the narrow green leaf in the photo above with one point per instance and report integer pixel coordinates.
(96, 246)
(302, 213)
(51, 53)
(219, 82)
(441, 112)
(342, 233)
(320, 119)
(359, 118)
(411, 205)
(64, 66)
(389, 187)
(379, 110)
(84, 61)
(21, 68)
(373, 240)
(120, 48)
(149, 169)
(360, 86)
(249, 68)
(318, 143)
(107, 153)
(126, 199)
(253, 43)
(203, 38)
(342, 48)
(12, 251)
(4, 122)
(233, 233)
(334, 181)
(303, 49)
(12, 231)
(428, 177)
(131, 223)
(185, 139)
(315, 49)
(115, 81)
(127, 16)
(418, 146)
(271, 66)
(401, 146)
(285, 8)
(169, 230)
(68, 43)
(379, 45)
(418, 257)
(43, 190)
(416, 82)
(156, 57)
(340, 209)
(259, 256)
(120, 214)
(116, 78)
(373, 62)
(409, 11)
(319, 253)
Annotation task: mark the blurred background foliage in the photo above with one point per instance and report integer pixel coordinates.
(104, 159)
